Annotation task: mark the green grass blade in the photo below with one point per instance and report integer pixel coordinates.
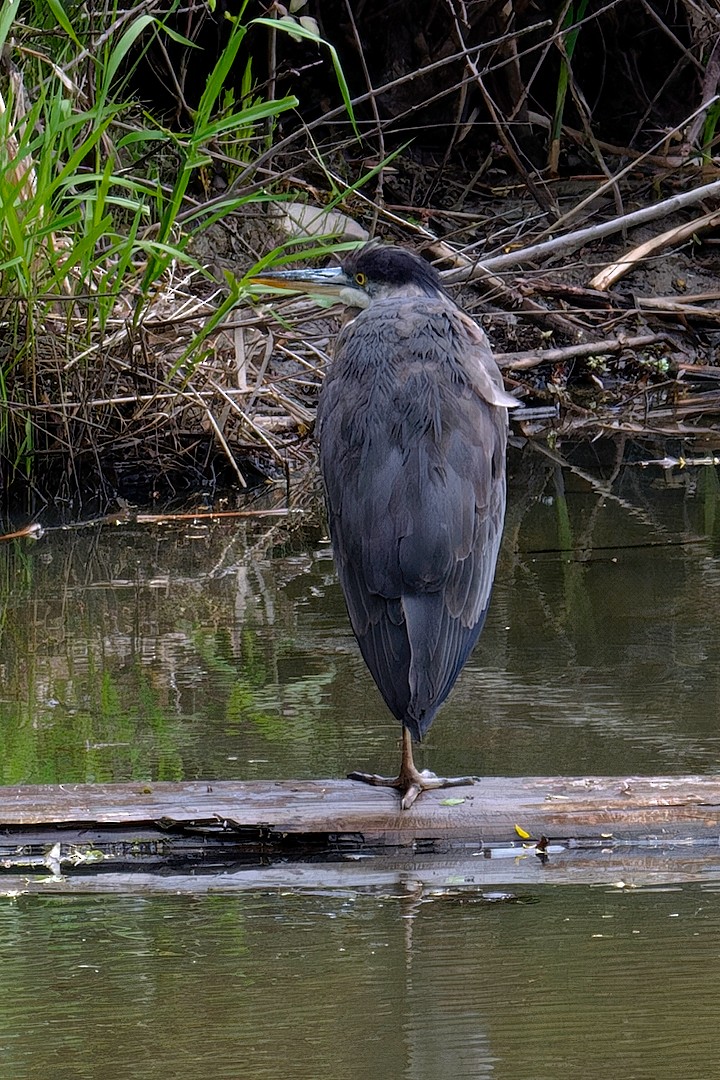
(8, 13)
(64, 22)
(296, 30)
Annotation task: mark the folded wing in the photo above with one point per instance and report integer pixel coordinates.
(412, 426)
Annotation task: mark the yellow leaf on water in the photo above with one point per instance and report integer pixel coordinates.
(521, 833)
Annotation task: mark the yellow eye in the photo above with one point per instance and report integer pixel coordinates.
(361, 279)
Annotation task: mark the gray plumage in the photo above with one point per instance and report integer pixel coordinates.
(412, 428)
(412, 454)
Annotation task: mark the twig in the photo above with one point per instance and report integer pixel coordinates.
(247, 421)
(221, 439)
(373, 106)
(573, 213)
(504, 131)
(711, 79)
(678, 462)
(666, 305)
(150, 519)
(28, 532)
(281, 146)
(510, 298)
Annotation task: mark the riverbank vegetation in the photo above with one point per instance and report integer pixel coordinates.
(559, 161)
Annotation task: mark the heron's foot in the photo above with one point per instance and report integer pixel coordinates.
(412, 782)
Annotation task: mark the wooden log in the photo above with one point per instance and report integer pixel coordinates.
(152, 824)
(459, 843)
(564, 808)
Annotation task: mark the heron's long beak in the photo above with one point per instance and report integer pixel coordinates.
(329, 281)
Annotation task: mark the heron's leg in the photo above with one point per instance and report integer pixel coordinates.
(410, 781)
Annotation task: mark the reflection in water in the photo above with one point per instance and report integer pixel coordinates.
(585, 983)
(445, 1028)
(224, 650)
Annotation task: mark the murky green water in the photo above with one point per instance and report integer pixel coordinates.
(195, 651)
(192, 651)
(581, 983)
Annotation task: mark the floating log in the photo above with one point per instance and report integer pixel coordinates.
(273, 834)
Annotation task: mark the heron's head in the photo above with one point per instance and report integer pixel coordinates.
(372, 272)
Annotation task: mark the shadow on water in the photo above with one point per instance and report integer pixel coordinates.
(187, 651)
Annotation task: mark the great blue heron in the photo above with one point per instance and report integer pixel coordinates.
(412, 428)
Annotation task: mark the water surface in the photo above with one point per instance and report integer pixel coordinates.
(198, 650)
(577, 983)
(223, 650)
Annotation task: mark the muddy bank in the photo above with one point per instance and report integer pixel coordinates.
(137, 367)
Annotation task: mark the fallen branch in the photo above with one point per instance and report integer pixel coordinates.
(665, 305)
(511, 298)
(561, 245)
(612, 273)
(523, 361)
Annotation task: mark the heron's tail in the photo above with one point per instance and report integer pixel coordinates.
(439, 648)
